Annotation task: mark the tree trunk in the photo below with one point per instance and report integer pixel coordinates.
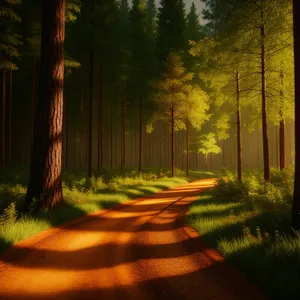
(3, 120)
(81, 130)
(90, 156)
(123, 129)
(111, 135)
(223, 154)
(172, 142)
(238, 124)
(33, 92)
(205, 161)
(100, 121)
(66, 119)
(46, 160)
(266, 153)
(187, 148)
(10, 115)
(282, 126)
(140, 137)
(296, 198)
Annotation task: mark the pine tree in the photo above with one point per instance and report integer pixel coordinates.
(9, 42)
(296, 198)
(45, 172)
(171, 27)
(178, 101)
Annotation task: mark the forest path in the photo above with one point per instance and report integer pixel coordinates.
(139, 250)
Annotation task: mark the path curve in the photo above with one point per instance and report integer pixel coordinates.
(139, 250)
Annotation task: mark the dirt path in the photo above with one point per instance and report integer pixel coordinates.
(140, 250)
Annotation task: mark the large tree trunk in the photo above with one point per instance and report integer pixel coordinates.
(100, 122)
(187, 148)
(123, 129)
(172, 142)
(282, 126)
(296, 198)
(66, 120)
(266, 152)
(140, 136)
(238, 124)
(33, 92)
(81, 130)
(46, 160)
(3, 148)
(10, 115)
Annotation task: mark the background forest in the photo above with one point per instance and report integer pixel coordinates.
(117, 72)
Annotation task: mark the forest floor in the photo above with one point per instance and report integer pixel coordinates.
(139, 249)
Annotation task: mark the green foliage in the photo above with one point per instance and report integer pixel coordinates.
(208, 144)
(252, 230)
(81, 195)
(9, 215)
(171, 27)
(9, 39)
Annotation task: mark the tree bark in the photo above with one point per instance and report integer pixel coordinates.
(140, 136)
(81, 130)
(205, 161)
(90, 156)
(33, 93)
(123, 129)
(296, 198)
(266, 152)
(3, 148)
(172, 142)
(238, 124)
(282, 127)
(100, 121)
(66, 119)
(46, 160)
(111, 135)
(187, 148)
(10, 116)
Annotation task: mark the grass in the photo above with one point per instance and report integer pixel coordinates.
(253, 232)
(82, 196)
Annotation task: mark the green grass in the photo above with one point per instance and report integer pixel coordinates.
(82, 196)
(253, 233)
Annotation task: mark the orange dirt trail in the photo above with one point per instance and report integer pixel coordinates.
(140, 250)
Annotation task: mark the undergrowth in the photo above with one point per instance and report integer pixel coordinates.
(249, 222)
(81, 196)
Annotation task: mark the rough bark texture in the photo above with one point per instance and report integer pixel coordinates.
(3, 120)
(66, 120)
(296, 199)
(140, 137)
(266, 152)
(238, 124)
(46, 160)
(187, 148)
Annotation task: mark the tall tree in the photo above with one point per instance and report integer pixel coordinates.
(296, 198)
(171, 27)
(142, 61)
(178, 101)
(46, 160)
(9, 42)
